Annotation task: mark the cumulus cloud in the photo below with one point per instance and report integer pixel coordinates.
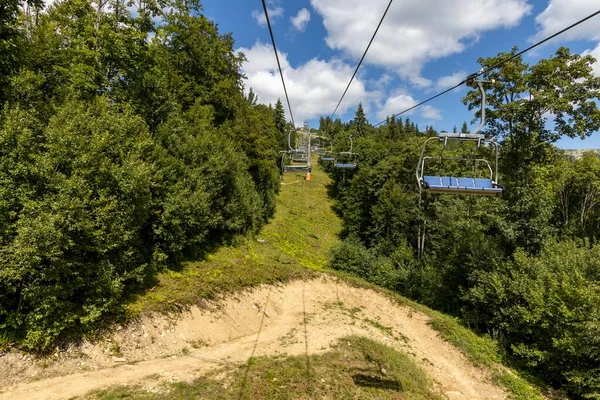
(596, 54)
(450, 80)
(414, 31)
(561, 13)
(301, 20)
(314, 87)
(430, 112)
(274, 13)
(395, 104)
(401, 101)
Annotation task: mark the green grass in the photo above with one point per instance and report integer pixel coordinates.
(294, 243)
(481, 351)
(357, 368)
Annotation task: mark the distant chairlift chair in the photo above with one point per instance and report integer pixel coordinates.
(295, 160)
(346, 159)
(327, 157)
(462, 185)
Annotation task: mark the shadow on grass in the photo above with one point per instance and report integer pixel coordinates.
(376, 382)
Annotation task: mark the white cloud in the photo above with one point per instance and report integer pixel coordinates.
(274, 13)
(395, 104)
(314, 87)
(430, 112)
(596, 54)
(382, 82)
(402, 101)
(561, 13)
(301, 20)
(450, 80)
(414, 31)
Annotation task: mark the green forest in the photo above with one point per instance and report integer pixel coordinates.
(125, 147)
(523, 267)
(129, 144)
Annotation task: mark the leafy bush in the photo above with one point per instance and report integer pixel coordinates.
(546, 310)
(353, 257)
(126, 146)
(72, 226)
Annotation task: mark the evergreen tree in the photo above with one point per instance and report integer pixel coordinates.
(279, 117)
(360, 120)
(252, 98)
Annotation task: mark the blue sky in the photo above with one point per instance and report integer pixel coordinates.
(423, 47)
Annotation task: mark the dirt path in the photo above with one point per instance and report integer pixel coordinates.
(298, 318)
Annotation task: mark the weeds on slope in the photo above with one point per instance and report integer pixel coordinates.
(357, 368)
(296, 242)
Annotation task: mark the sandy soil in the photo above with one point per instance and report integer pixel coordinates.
(294, 319)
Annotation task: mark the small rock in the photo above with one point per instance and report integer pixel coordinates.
(119, 359)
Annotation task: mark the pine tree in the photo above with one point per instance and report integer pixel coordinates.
(360, 120)
(252, 97)
(464, 128)
(279, 116)
(392, 128)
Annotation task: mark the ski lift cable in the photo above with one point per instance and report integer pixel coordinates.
(497, 65)
(278, 63)
(362, 58)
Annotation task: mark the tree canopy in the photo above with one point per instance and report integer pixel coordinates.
(127, 145)
(522, 267)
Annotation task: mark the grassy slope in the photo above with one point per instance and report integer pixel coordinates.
(357, 368)
(295, 243)
(297, 240)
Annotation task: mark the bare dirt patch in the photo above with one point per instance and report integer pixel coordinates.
(297, 318)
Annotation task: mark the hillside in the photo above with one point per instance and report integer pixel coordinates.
(578, 153)
(316, 333)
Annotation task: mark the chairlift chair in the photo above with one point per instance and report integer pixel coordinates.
(473, 185)
(327, 156)
(346, 159)
(295, 160)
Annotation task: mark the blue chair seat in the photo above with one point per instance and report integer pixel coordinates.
(327, 159)
(347, 166)
(448, 184)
